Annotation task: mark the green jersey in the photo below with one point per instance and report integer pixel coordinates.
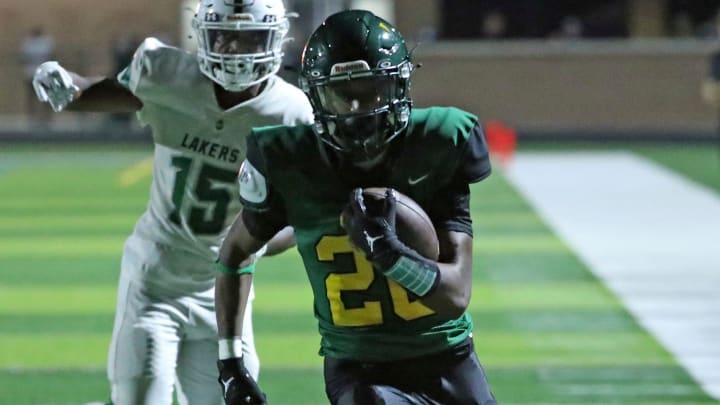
(362, 314)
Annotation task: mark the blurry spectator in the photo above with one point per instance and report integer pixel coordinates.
(571, 27)
(35, 49)
(425, 34)
(681, 24)
(710, 89)
(711, 84)
(691, 17)
(533, 18)
(494, 25)
(607, 19)
(459, 18)
(530, 18)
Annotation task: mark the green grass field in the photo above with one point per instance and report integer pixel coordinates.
(546, 330)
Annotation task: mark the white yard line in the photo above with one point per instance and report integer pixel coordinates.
(651, 235)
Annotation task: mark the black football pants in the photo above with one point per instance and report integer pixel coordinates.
(453, 377)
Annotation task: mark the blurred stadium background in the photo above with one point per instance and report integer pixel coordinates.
(563, 85)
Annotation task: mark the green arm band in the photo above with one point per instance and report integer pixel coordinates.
(250, 269)
(420, 276)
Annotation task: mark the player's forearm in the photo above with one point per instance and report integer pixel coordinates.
(102, 94)
(231, 296)
(83, 82)
(232, 283)
(451, 297)
(231, 287)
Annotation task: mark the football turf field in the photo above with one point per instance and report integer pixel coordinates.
(547, 331)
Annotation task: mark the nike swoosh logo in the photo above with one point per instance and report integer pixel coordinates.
(413, 182)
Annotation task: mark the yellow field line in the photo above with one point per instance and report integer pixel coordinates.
(136, 172)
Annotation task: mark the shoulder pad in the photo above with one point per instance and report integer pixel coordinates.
(141, 64)
(157, 69)
(449, 122)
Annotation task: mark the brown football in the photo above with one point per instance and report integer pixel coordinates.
(413, 225)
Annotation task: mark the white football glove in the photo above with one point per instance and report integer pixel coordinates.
(54, 85)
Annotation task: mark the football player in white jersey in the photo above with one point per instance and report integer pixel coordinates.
(200, 108)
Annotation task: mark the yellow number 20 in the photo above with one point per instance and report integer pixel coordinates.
(371, 312)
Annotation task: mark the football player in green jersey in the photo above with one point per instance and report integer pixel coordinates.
(393, 324)
(201, 107)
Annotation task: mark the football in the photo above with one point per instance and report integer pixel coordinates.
(413, 225)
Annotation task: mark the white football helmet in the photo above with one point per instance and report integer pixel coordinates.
(240, 41)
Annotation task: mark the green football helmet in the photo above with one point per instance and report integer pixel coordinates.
(356, 71)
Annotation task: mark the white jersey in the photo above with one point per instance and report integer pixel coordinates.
(198, 148)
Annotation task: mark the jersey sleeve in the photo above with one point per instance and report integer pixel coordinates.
(450, 209)
(158, 73)
(134, 75)
(263, 208)
(475, 163)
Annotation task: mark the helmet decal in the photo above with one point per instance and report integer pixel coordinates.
(240, 17)
(349, 67)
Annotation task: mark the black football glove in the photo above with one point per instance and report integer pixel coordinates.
(238, 386)
(373, 231)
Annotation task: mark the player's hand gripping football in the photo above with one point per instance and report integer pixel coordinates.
(238, 387)
(54, 85)
(373, 232)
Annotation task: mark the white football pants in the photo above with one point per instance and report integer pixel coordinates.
(164, 338)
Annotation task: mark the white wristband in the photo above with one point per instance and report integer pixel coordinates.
(230, 348)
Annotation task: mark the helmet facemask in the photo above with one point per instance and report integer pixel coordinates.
(236, 50)
(358, 113)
